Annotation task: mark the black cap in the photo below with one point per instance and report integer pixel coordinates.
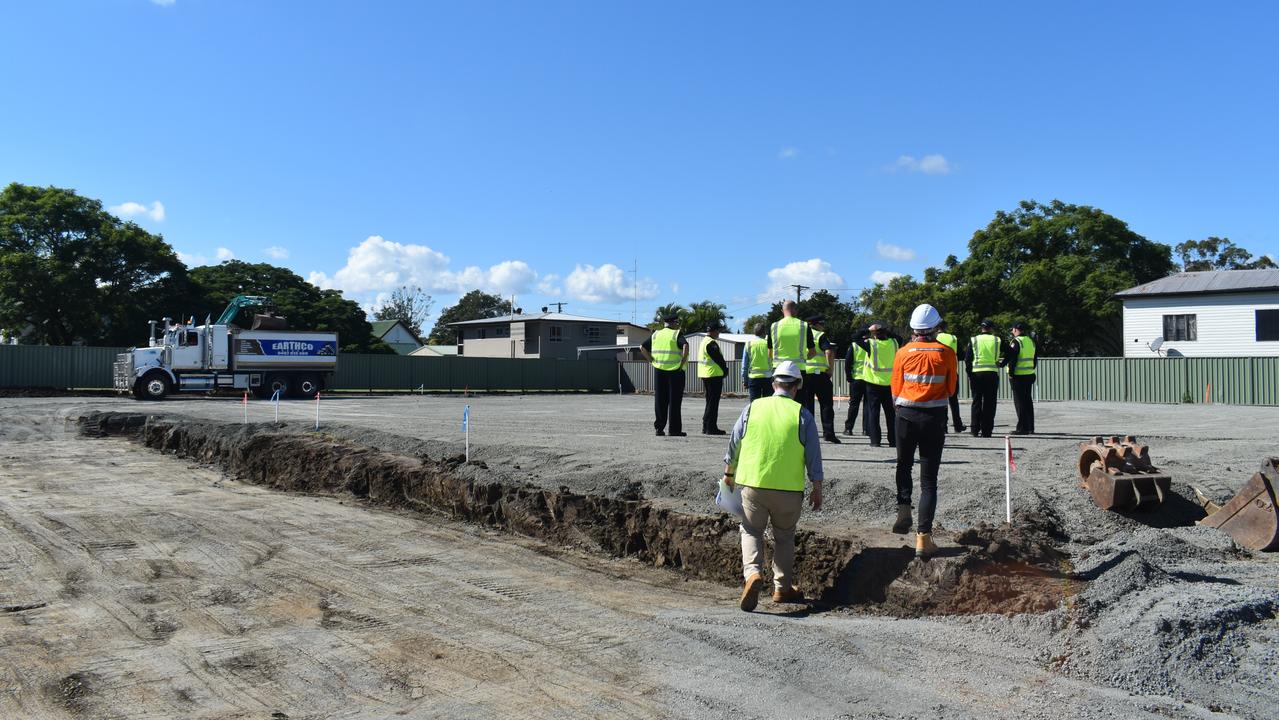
(987, 323)
(1021, 326)
(670, 317)
(716, 326)
(815, 318)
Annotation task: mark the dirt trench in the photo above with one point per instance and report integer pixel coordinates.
(992, 570)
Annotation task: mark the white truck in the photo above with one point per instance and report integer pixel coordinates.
(264, 359)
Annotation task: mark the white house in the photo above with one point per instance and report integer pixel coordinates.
(545, 335)
(1202, 314)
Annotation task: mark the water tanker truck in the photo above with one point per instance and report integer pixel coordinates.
(264, 358)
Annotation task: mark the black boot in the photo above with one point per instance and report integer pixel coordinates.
(904, 520)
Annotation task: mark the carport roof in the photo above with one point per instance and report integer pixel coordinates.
(1206, 282)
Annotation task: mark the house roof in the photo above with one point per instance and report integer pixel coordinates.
(435, 350)
(382, 327)
(1207, 282)
(549, 316)
(727, 337)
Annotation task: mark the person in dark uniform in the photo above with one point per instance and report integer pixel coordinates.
(855, 373)
(881, 349)
(1021, 361)
(817, 378)
(983, 358)
(945, 338)
(667, 350)
(711, 370)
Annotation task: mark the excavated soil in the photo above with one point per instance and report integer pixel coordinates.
(992, 570)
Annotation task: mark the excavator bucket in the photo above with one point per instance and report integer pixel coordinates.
(1249, 517)
(1119, 476)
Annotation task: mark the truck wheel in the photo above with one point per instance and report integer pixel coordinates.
(271, 383)
(306, 386)
(153, 386)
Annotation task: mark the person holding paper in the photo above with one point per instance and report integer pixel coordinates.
(773, 445)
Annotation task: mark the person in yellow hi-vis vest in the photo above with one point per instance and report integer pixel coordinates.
(1022, 364)
(945, 338)
(711, 369)
(773, 445)
(667, 350)
(983, 359)
(791, 338)
(817, 378)
(756, 364)
(881, 348)
(855, 373)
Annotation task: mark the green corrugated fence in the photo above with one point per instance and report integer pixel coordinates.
(42, 366)
(1232, 380)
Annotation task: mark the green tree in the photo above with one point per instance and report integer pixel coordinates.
(475, 305)
(696, 318)
(305, 305)
(70, 272)
(1054, 266)
(1214, 253)
(663, 311)
(407, 304)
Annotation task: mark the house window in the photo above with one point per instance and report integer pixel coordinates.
(592, 333)
(1268, 326)
(556, 333)
(501, 332)
(481, 334)
(1180, 328)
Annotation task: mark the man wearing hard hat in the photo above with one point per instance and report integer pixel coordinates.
(773, 445)
(925, 375)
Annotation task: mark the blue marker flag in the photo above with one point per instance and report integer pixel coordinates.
(466, 417)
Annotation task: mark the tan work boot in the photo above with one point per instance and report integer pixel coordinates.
(791, 594)
(750, 593)
(924, 545)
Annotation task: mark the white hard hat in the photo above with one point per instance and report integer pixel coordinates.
(925, 317)
(787, 369)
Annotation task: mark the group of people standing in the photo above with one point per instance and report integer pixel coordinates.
(774, 445)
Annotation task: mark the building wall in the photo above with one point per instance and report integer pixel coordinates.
(1226, 325)
(397, 335)
(534, 339)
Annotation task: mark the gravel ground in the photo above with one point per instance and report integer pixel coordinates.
(1174, 614)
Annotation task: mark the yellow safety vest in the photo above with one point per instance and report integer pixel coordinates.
(949, 341)
(790, 341)
(666, 354)
(771, 455)
(879, 361)
(985, 354)
(1025, 356)
(708, 368)
(817, 363)
(859, 363)
(757, 356)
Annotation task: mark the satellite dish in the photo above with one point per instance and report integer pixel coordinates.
(1158, 343)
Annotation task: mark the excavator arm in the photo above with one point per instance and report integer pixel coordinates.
(240, 302)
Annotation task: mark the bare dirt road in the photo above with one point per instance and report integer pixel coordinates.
(138, 585)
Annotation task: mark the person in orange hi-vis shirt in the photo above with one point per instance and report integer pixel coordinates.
(924, 377)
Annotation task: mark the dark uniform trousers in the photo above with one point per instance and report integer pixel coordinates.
(819, 386)
(985, 386)
(668, 394)
(954, 411)
(759, 387)
(713, 387)
(880, 396)
(856, 405)
(923, 429)
(1023, 402)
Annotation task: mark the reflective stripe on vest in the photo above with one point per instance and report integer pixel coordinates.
(902, 402)
(925, 379)
(949, 341)
(879, 361)
(708, 368)
(666, 354)
(790, 341)
(1025, 356)
(771, 455)
(757, 353)
(921, 385)
(817, 363)
(985, 353)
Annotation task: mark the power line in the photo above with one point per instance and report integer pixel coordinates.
(799, 289)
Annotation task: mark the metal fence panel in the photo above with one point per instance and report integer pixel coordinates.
(1155, 380)
(1265, 381)
(1097, 379)
(49, 366)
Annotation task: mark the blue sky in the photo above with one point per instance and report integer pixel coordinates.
(542, 148)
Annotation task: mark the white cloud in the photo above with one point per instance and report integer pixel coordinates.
(163, 3)
(928, 165)
(675, 288)
(275, 252)
(894, 252)
(549, 285)
(883, 276)
(133, 209)
(380, 265)
(192, 259)
(788, 153)
(606, 284)
(225, 254)
(815, 273)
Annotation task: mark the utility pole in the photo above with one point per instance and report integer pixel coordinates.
(798, 290)
(559, 306)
